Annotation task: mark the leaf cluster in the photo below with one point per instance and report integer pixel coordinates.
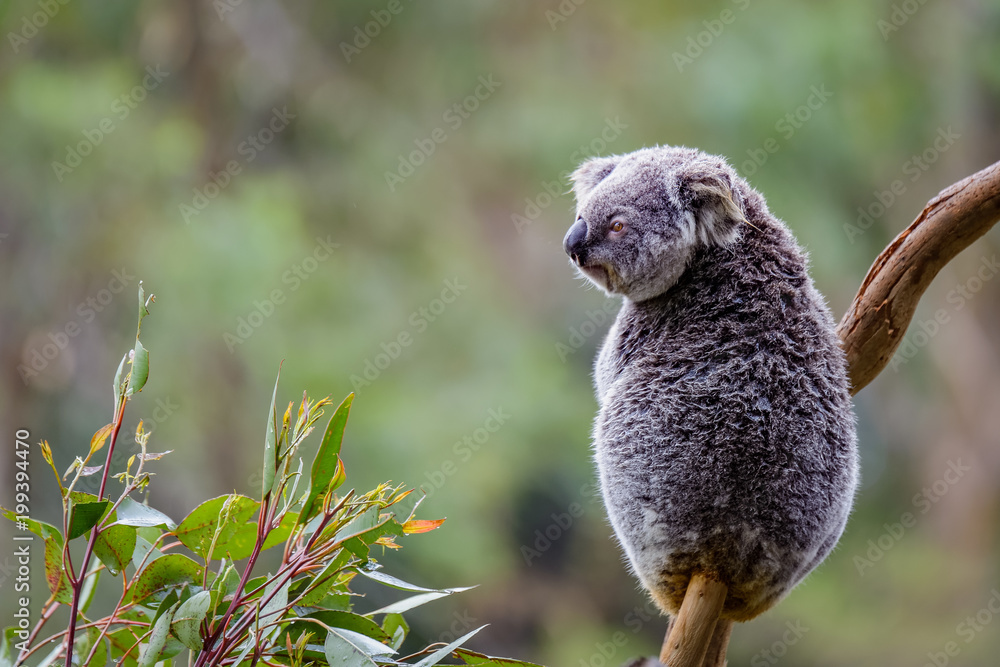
(191, 590)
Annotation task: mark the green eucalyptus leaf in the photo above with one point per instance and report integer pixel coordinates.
(389, 580)
(83, 516)
(241, 544)
(338, 619)
(417, 600)
(124, 640)
(245, 649)
(276, 594)
(8, 654)
(85, 641)
(143, 310)
(140, 369)
(142, 548)
(338, 601)
(358, 548)
(169, 600)
(167, 572)
(115, 546)
(225, 515)
(439, 655)
(270, 443)
(397, 628)
(343, 648)
(186, 625)
(321, 584)
(225, 582)
(55, 575)
(361, 524)
(156, 644)
(324, 476)
(39, 528)
(253, 585)
(479, 660)
(131, 513)
(118, 380)
(149, 533)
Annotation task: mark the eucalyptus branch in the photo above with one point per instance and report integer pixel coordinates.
(221, 622)
(262, 521)
(78, 583)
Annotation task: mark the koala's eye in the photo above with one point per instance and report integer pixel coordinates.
(617, 226)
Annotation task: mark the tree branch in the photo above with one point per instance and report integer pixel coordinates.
(691, 632)
(874, 325)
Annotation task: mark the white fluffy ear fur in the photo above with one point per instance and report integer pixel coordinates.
(718, 217)
(590, 173)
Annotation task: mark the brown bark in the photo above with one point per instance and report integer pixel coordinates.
(716, 656)
(691, 632)
(875, 323)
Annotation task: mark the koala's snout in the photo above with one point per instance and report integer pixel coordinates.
(575, 242)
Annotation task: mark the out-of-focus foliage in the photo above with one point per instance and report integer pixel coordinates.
(237, 156)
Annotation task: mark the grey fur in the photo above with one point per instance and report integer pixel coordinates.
(725, 439)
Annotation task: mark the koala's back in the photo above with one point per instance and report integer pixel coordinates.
(725, 440)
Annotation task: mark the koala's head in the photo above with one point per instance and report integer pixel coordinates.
(641, 217)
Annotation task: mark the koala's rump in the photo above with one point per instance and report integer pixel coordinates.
(724, 467)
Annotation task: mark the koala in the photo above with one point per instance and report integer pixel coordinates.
(725, 439)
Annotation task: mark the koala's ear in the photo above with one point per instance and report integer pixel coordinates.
(590, 173)
(712, 203)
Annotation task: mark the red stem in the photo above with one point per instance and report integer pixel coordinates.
(262, 530)
(78, 582)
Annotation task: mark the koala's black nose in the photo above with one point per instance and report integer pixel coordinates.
(573, 244)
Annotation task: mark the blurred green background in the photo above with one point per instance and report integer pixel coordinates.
(293, 188)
